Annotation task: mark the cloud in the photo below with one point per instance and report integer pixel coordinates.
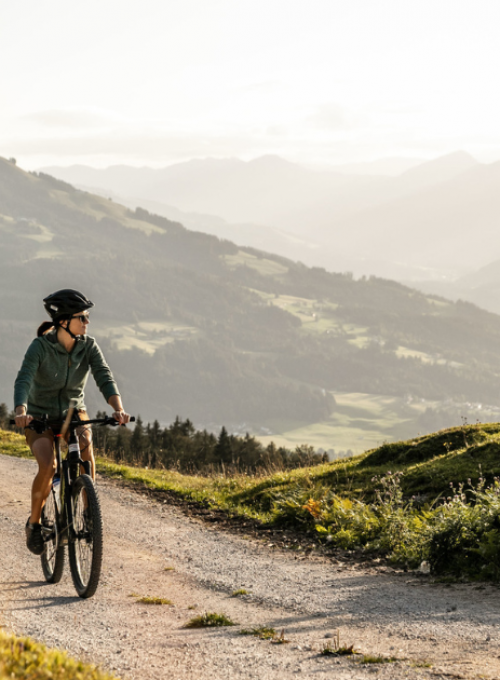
(150, 146)
(70, 119)
(276, 131)
(333, 117)
(265, 86)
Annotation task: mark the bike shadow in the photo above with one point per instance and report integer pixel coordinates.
(41, 600)
(45, 602)
(23, 585)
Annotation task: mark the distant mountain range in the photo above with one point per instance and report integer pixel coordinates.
(202, 328)
(268, 190)
(429, 222)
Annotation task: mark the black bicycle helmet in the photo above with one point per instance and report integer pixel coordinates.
(64, 303)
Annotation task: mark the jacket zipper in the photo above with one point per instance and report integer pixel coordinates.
(65, 385)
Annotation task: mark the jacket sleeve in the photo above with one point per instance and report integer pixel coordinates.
(102, 373)
(27, 372)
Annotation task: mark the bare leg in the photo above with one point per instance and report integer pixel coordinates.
(86, 449)
(43, 451)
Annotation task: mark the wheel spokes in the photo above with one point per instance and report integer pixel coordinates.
(82, 537)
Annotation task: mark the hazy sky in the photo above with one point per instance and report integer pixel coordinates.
(333, 81)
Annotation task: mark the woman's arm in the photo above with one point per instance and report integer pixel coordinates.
(118, 412)
(23, 383)
(107, 385)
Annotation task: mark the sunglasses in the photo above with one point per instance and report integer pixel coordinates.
(84, 318)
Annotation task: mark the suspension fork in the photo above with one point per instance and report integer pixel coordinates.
(65, 517)
(71, 467)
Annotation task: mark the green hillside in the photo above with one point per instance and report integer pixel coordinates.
(199, 327)
(430, 502)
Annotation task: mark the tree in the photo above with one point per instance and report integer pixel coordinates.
(223, 451)
(4, 416)
(138, 439)
(154, 434)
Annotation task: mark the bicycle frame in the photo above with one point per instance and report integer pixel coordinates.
(67, 471)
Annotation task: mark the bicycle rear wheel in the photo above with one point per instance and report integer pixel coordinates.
(53, 554)
(85, 541)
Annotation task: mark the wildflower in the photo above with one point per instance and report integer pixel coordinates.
(313, 507)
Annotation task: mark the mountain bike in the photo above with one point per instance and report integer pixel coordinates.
(71, 515)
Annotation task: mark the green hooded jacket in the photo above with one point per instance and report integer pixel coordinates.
(50, 376)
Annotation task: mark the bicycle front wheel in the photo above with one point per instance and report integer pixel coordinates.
(53, 553)
(85, 541)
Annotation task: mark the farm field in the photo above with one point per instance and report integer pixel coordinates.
(359, 422)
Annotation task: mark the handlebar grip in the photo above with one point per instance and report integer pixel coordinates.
(12, 421)
(132, 419)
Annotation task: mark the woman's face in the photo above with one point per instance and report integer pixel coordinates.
(78, 323)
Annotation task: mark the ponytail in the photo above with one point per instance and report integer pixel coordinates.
(45, 327)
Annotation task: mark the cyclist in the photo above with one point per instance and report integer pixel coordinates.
(54, 371)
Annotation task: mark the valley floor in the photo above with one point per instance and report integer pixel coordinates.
(433, 630)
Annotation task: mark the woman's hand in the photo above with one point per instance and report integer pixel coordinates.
(23, 419)
(118, 411)
(121, 417)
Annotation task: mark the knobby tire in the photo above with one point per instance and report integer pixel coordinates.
(53, 555)
(85, 542)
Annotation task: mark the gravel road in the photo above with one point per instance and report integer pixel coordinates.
(455, 629)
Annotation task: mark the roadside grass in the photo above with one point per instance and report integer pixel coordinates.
(370, 658)
(434, 499)
(23, 658)
(209, 620)
(429, 464)
(262, 632)
(237, 593)
(153, 600)
(334, 648)
(13, 444)
(331, 650)
(280, 639)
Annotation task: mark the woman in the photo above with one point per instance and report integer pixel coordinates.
(54, 371)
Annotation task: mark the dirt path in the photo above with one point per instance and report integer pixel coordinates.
(454, 628)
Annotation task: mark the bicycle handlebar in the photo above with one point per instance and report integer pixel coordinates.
(37, 423)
